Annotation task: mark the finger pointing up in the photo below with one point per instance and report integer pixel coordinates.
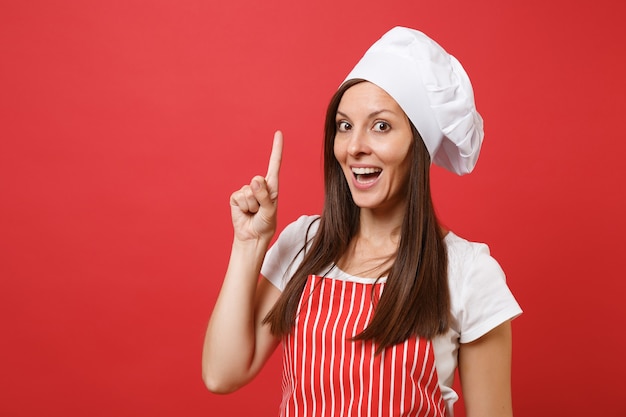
(274, 165)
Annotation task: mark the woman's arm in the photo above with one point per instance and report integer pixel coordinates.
(485, 372)
(237, 343)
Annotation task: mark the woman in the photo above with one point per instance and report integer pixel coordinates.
(351, 348)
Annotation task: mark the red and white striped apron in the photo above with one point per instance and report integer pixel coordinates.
(325, 373)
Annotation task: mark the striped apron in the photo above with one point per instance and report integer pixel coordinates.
(326, 374)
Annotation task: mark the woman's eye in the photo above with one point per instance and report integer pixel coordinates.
(343, 126)
(381, 126)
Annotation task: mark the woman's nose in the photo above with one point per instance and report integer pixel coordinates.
(359, 143)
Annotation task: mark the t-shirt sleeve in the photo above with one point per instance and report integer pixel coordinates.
(485, 299)
(287, 253)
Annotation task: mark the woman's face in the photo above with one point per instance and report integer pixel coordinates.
(372, 146)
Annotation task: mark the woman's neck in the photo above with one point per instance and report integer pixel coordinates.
(380, 226)
(373, 248)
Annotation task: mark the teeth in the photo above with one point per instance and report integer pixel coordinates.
(362, 171)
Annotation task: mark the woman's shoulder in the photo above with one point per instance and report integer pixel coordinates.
(305, 225)
(461, 247)
(465, 256)
(285, 255)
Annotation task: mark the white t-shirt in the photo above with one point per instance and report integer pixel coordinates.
(479, 297)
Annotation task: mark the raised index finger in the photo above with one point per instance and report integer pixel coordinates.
(274, 166)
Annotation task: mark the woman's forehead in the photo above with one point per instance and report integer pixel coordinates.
(368, 98)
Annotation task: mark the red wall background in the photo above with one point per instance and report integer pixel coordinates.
(125, 125)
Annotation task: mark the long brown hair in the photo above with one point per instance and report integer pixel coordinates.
(416, 299)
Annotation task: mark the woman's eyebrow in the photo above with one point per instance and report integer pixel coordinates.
(371, 115)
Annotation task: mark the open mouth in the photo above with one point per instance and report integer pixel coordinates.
(366, 175)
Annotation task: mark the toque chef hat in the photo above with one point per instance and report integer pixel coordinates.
(434, 91)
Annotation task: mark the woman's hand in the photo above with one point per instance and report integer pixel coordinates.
(253, 207)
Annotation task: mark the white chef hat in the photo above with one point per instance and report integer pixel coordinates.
(434, 91)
